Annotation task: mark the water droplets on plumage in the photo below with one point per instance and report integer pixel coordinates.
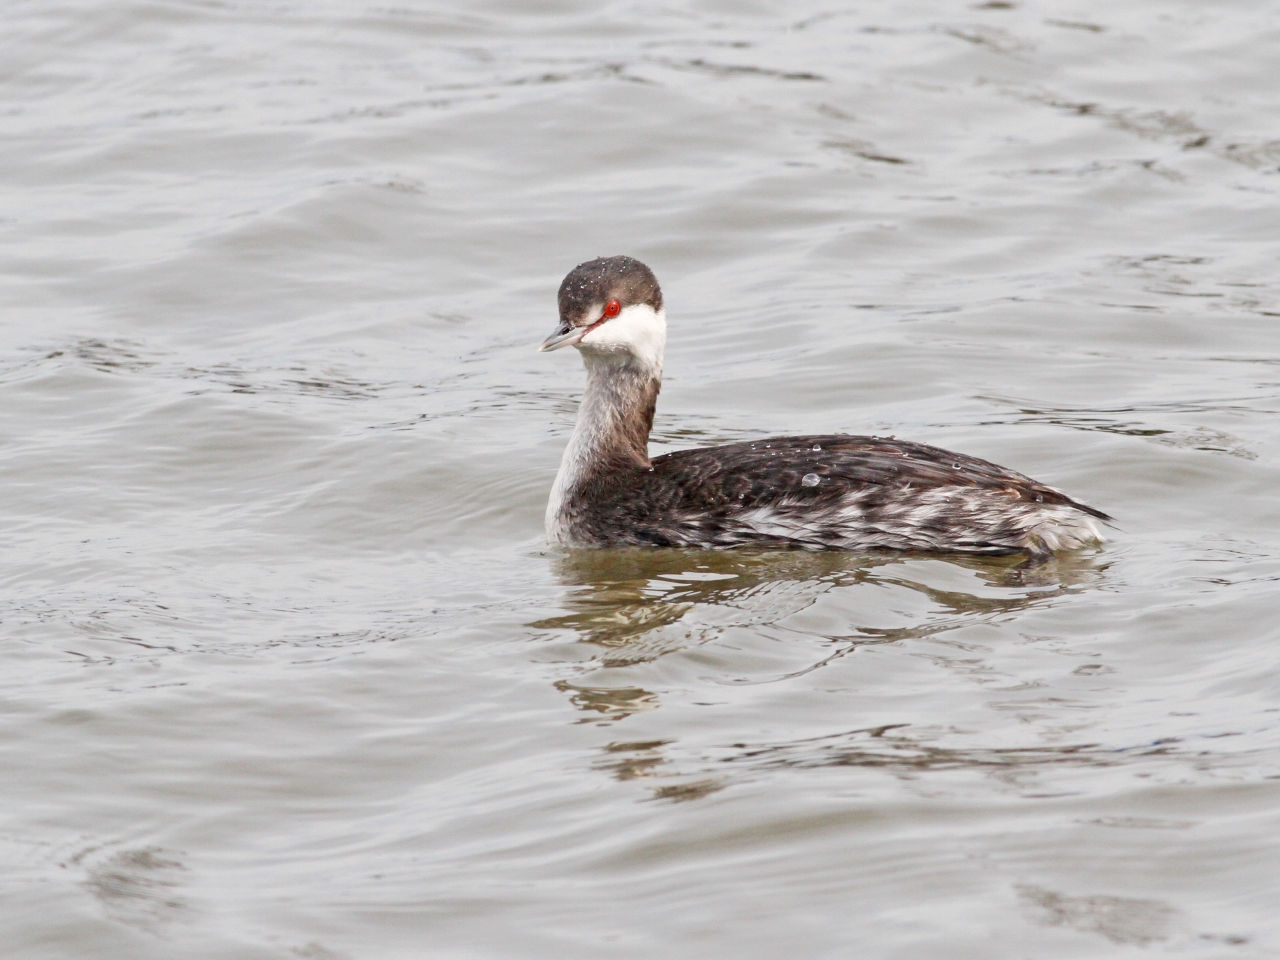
(810, 480)
(817, 448)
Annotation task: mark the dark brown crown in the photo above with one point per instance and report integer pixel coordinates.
(589, 285)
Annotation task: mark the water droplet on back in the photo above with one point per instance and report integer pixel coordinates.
(810, 480)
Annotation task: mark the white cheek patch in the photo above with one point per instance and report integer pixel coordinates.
(638, 331)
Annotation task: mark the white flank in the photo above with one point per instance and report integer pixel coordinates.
(968, 513)
(1064, 528)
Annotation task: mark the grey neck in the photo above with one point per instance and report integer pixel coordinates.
(611, 435)
(616, 415)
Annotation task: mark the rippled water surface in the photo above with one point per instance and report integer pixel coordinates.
(287, 670)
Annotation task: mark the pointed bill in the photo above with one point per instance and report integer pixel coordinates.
(565, 335)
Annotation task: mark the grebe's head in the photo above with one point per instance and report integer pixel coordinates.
(611, 308)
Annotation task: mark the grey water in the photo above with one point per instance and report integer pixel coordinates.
(286, 668)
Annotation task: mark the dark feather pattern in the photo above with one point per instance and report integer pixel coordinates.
(827, 492)
(821, 492)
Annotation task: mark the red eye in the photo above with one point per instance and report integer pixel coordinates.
(612, 308)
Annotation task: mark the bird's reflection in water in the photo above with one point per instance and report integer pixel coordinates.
(635, 606)
(607, 703)
(631, 601)
(644, 760)
(893, 747)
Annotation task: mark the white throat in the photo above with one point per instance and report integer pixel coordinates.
(636, 336)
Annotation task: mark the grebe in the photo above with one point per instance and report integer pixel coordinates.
(820, 492)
